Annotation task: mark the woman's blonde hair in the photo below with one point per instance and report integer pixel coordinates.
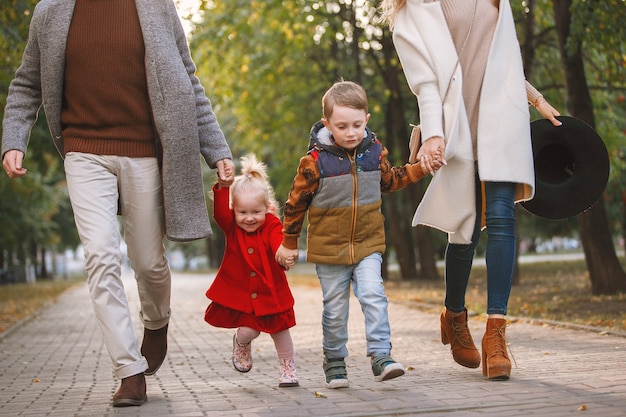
(389, 9)
(254, 180)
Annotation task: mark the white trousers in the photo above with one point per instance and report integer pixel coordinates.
(96, 183)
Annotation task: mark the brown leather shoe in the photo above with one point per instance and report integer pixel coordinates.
(454, 330)
(154, 348)
(496, 362)
(132, 392)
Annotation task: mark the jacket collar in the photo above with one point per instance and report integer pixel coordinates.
(322, 139)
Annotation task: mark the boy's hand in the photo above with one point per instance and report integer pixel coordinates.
(286, 257)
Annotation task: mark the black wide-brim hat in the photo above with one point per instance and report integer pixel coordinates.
(571, 168)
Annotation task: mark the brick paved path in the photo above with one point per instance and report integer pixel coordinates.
(55, 364)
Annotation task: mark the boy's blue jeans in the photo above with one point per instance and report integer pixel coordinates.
(367, 281)
(500, 254)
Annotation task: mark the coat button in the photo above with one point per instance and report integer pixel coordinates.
(250, 251)
(253, 295)
(253, 274)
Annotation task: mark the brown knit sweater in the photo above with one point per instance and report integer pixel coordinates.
(106, 108)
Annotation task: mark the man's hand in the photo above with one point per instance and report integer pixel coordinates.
(12, 163)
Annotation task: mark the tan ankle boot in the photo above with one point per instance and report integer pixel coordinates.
(496, 363)
(454, 330)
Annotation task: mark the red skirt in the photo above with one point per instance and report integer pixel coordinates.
(219, 316)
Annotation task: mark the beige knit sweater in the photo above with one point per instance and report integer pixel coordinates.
(473, 53)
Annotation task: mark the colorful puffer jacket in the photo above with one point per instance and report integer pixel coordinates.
(342, 193)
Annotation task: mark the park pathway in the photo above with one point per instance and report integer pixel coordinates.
(55, 364)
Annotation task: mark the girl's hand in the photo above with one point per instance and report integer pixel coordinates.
(290, 262)
(225, 172)
(286, 257)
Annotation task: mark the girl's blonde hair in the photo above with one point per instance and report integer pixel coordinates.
(254, 180)
(389, 9)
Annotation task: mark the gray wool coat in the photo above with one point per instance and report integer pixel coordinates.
(183, 115)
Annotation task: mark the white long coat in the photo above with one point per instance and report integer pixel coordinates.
(428, 57)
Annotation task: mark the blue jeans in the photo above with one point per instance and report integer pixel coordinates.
(368, 288)
(500, 255)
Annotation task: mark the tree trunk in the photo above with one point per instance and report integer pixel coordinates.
(516, 269)
(397, 136)
(528, 58)
(400, 234)
(605, 271)
(427, 254)
(623, 219)
(528, 45)
(215, 246)
(44, 268)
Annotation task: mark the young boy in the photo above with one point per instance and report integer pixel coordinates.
(339, 183)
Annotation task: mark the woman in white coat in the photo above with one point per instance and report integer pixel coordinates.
(462, 61)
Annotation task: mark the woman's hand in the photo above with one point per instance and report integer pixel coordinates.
(432, 154)
(547, 111)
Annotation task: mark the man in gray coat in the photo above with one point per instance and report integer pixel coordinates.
(131, 119)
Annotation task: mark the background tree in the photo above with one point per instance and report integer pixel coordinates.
(266, 65)
(605, 271)
(272, 92)
(35, 216)
(277, 58)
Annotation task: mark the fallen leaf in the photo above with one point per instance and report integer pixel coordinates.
(319, 395)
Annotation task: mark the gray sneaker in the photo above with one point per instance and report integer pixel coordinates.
(385, 368)
(336, 374)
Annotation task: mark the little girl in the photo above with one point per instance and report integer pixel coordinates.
(250, 291)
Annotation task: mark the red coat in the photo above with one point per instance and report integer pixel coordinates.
(249, 279)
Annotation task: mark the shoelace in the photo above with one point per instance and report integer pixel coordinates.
(502, 345)
(242, 351)
(462, 334)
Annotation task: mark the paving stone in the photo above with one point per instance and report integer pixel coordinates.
(55, 364)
